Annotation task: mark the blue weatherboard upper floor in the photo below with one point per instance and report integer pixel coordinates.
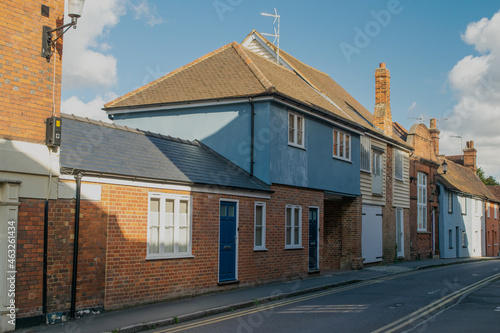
(227, 129)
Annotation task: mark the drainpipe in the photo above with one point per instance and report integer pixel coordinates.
(78, 178)
(45, 249)
(252, 135)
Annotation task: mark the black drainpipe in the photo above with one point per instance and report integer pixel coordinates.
(252, 134)
(78, 178)
(45, 246)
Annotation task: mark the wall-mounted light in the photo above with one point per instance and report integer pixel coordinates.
(412, 179)
(445, 167)
(75, 9)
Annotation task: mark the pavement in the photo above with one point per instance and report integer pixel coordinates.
(156, 315)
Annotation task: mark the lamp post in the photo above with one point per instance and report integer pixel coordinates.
(445, 167)
(75, 9)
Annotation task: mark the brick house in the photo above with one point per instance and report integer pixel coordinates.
(492, 225)
(463, 198)
(29, 94)
(424, 205)
(286, 124)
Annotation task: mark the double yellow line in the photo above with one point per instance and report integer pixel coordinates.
(407, 320)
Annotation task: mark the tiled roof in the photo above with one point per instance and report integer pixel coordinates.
(462, 179)
(495, 190)
(108, 149)
(234, 71)
(459, 159)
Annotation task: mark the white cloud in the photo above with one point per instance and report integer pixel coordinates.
(476, 81)
(91, 110)
(87, 61)
(144, 10)
(412, 107)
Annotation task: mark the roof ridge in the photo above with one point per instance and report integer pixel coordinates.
(168, 75)
(127, 129)
(253, 67)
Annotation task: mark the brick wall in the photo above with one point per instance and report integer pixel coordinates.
(91, 256)
(132, 280)
(342, 234)
(26, 78)
(421, 241)
(389, 213)
(492, 230)
(30, 257)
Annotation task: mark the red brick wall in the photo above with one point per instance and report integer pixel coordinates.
(30, 257)
(342, 235)
(26, 78)
(492, 231)
(91, 255)
(421, 242)
(132, 280)
(389, 212)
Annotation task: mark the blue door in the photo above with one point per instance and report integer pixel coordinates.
(227, 241)
(313, 239)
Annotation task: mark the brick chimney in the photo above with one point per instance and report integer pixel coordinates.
(382, 118)
(434, 135)
(470, 155)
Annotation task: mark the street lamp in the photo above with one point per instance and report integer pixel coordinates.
(445, 167)
(75, 9)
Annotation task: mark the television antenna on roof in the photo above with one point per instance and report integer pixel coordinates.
(276, 32)
(421, 118)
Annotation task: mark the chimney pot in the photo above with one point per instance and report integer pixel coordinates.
(382, 65)
(433, 123)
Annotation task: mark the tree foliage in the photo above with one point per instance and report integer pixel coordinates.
(490, 180)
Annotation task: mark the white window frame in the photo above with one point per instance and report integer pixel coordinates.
(163, 197)
(450, 239)
(378, 167)
(421, 201)
(365, 153)
(261, 247)
(495, 214)
(477, 208)
(294, 227)
(341, 145)
(399, 161)
(463, 204)
(450, 202)
(294, 133)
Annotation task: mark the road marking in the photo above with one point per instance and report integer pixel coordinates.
(435, 305)
(282, 303)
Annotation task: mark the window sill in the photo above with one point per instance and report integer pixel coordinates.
(259, 249)
(366, 171)
(161, 257)
(294, 248)
(377, 195)
(342, 159)
(423, 232)
(296, 146)
(399, 180)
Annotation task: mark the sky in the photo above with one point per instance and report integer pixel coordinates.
(444, 56)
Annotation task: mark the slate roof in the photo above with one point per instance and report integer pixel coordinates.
(462, 179)
(99, 148)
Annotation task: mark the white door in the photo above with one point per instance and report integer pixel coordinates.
(371, 234)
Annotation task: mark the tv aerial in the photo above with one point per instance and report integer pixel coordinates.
(276, 34)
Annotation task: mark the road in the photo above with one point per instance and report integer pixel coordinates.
(457, 298)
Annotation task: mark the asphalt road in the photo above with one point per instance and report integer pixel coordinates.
(457, 298)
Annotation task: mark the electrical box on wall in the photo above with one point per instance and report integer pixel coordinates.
(53, 133)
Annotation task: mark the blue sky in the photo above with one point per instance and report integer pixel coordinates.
(441, 54)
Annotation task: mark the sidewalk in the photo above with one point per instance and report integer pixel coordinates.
(166, 313)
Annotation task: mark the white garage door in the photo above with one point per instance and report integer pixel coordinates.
(371, 235)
